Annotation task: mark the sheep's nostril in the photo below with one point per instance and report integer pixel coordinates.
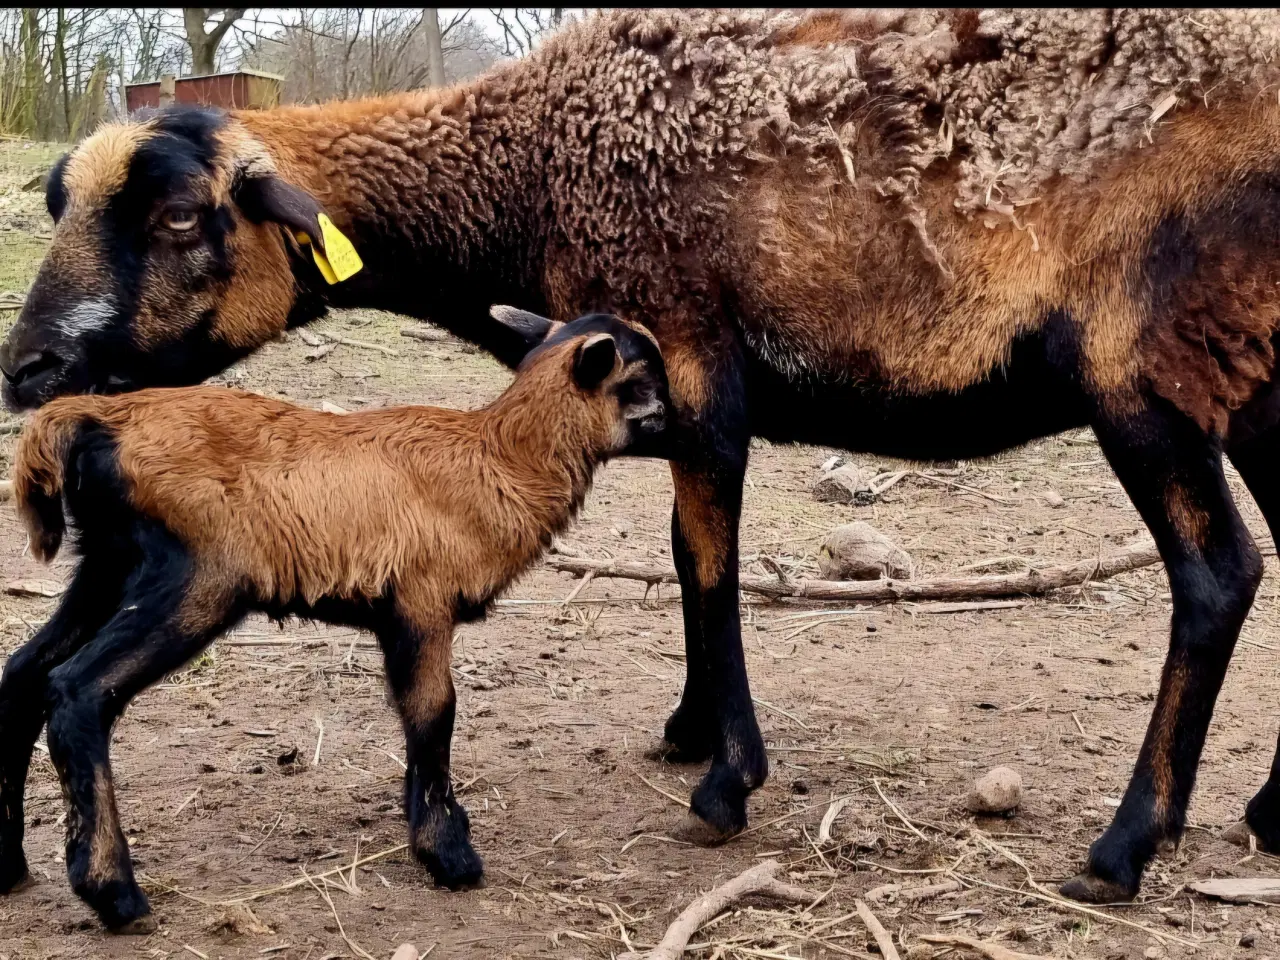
(27, 365)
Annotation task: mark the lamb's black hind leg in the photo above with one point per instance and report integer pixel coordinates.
(91, 598)
(1258, 460)
(158, 627)
(1173, 473)
(417, 640)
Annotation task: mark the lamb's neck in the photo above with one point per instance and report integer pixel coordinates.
(545, 458)
(437, 191)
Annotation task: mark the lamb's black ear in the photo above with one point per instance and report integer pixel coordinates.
(533, 327)
(595, 360)
(270, 198)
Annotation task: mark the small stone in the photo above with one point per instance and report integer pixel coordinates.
(858, 551)
(1246, 940)
(997, 791)
(1054, 499)
(406, 951)
(847, 484)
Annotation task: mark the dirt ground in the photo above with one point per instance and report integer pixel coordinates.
(276, 756)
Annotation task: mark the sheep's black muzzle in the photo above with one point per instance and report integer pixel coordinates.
(32, 377)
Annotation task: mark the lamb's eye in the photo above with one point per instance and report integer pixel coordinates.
(179, 221)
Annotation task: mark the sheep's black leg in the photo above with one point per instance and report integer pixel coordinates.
(1173, 473)
(708, 469)
(91, 597)
(417, 649)
(158, 627)
(692, 731)
(1258, 460)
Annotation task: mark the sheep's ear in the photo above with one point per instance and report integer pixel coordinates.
(533, 327)
(595, 360)
(270, 198)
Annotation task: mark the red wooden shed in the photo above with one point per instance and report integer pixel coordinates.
(239, 90)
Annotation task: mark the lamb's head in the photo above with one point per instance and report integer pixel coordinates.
(613, 372)
(173, 254)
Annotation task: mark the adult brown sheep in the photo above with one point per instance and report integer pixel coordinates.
(961, 230)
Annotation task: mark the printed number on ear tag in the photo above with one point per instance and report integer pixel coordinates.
(341, 261)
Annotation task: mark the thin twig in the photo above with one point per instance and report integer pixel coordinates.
(877, 930)
(292, 884)
(669, 796)
(338, 920)
(900, 815)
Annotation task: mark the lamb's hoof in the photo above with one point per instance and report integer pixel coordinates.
(458, 872)
(137, 927)
(1089, 888)
(454, 864)
(693, 829)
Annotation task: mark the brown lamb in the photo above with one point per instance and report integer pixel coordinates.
(196, 505)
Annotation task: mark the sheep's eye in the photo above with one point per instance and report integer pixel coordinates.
(179, 221)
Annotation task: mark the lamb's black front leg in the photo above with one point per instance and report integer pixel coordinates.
(715, 714)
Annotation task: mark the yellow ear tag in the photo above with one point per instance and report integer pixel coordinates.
(342, 261)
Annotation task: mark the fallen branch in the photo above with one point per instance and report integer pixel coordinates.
(890, 892)
(13, 426)
(33, 588)
(1032, 582)
(363, 345)
(426, 334)
(877, 930)
(759, 879)
(992, 951)
(1252, 890)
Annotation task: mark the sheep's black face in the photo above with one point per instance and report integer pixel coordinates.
(163, 269)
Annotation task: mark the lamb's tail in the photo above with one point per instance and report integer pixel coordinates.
(40, 469)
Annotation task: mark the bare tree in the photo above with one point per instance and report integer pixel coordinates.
(523, 27)
(348, 52)
(435, 49)
(204, 46)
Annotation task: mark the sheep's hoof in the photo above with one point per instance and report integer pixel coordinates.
(17, 880)
(137, 927)
(664, 751)
(1090, 888)
(693, 829)
(688, 737)
(1262, 817)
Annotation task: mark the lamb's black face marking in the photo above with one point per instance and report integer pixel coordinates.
(160, 255)
(641, 388)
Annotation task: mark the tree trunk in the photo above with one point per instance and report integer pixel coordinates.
(32, 78)
(204, 46)
(435, 48)
(60, 64)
